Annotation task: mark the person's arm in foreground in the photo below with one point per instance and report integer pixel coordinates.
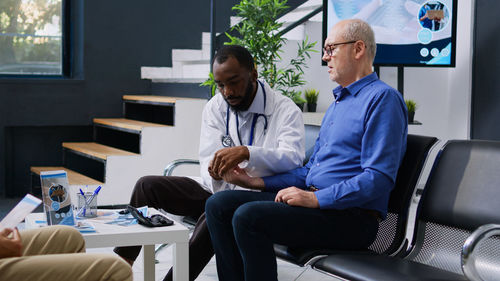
(10, 246)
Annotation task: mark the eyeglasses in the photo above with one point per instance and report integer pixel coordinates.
(329, 49)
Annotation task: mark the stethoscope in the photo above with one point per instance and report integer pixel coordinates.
(227, 141)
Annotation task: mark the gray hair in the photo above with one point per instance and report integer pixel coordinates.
(359, 30)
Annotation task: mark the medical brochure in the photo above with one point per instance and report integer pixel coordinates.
(20, 211)
(56, 198)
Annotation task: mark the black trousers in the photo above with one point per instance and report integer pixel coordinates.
(244, 225)
(180, 196)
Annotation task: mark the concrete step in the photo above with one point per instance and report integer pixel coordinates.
(125, 124)
(95, 150)
(74, 178)
(147, 99)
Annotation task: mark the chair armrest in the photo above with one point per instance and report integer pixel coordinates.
(468, 257)
(169, 169)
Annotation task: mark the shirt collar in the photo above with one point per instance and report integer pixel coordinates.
(257, 105)
(355, 87)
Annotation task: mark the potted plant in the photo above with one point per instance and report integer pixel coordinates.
(312, 99)
(259, 32)
(297, 98)
(411, 105)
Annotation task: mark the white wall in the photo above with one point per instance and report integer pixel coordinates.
(443, 94)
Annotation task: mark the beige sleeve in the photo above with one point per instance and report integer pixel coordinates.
(57, 253)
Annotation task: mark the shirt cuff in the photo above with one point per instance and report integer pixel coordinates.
(271, 184)
(324, 200)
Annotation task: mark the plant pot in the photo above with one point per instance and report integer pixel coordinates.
(311, 107)
(411, 117)
(301, 106)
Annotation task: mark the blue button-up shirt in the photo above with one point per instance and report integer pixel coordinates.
(360, 146)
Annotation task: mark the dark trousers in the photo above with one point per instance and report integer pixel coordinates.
(180, 196)
(244, 225)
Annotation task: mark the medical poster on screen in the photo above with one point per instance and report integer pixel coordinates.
(408, 32)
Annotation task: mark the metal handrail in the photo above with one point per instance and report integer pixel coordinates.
(169, 169)
(302, 20)
(468, 258)
(215, 39)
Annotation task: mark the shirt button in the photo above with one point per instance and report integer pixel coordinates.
(317, 164)
(337, 101)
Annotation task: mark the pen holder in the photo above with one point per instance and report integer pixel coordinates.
(87, 205)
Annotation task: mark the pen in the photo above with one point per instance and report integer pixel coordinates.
(89, 200)
(96, 191)
(85, 200)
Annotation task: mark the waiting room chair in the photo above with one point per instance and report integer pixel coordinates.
(461, 195)
(392, 231)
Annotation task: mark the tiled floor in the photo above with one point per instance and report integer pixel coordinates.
(286, 271)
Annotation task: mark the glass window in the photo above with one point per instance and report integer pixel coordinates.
(31, 41)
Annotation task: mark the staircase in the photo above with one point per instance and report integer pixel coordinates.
(154, 131)
(193, 66)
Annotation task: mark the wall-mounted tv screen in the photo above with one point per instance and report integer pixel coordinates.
(408, 32)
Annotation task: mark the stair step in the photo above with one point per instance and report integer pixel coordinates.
(96, 150)
(126, 124)
(180, 80)
(186, 54)
(74, 178)
(154, 72)
(151, 99)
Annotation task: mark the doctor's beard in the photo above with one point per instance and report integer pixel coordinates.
(246, 100)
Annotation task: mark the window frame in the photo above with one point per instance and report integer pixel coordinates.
(67, 49)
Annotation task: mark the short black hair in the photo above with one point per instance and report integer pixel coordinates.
(240, 53)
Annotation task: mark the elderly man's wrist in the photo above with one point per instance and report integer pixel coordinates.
(257, 183)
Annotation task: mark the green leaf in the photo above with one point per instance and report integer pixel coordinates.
(259, 33)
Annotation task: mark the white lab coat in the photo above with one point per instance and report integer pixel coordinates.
(280, 148)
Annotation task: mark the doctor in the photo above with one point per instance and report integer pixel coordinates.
(246, 125)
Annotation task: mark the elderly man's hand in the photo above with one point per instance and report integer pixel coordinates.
(10, 245)
(294, 196)
(226, 159)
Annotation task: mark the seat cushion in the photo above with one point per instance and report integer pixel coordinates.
(301, 256)
(376, 268)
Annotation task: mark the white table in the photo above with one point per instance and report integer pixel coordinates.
(108, 235)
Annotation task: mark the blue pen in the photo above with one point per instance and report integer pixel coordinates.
(83, 207)
(96, 191)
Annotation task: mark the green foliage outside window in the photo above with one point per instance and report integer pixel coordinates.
(30, 36)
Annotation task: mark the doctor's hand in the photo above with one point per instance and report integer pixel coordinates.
(10, 246)
(239, 177)
(212, 173)
(294, 196)
(228, 158)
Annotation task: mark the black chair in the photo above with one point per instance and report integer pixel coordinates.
(461, 194)
(391, 233)
(311, 134)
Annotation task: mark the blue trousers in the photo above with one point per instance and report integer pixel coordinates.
(244, 225)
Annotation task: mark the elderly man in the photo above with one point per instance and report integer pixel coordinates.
(338, 198)
(247, 125)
